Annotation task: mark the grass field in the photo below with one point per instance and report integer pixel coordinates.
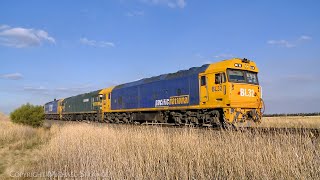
(130, 152)
(291, 122)
(4, 117)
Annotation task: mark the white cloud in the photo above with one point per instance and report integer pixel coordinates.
(75, 89)
(35, 89)
(94, 43)
(13, 76)
(170, 3)
(289, 44)
(4, 26)
(209, 60)
(304, 37)
(301, 78)
(200, 56)
(135, 13)
(223, 56)
(19, 37)
(204, 59)
(44, 35)
(181, 3)
(64, 91)
(282, 43)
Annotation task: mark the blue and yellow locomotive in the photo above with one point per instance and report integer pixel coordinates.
(222, 93)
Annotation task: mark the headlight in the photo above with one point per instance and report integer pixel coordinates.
(252, 67)
(237, 65)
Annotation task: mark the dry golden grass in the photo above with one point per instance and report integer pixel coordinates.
(291, 122)
(17, 146)
(138, 152)
(133, 152)
(4, 117)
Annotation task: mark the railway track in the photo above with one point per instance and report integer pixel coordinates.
(312, 132)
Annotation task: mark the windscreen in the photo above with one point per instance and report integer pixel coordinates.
(241, 76)
(252, 77)
(236, 76)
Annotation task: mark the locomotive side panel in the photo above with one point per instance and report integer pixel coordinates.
(125, 98)
(82, 103)
(166, 93)
(51, 107)
(51, 110)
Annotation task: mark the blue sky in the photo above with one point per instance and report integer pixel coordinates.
(55, 49)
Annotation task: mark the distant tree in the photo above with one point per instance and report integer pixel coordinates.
(292, 114)
(28, 114)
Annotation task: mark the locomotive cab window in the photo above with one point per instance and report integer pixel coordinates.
(220, 78)
(240, 76)
(252, 77)
(203, 81)
(236, 76)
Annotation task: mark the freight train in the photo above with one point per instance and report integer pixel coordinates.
(225, 93)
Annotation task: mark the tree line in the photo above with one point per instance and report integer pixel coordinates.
(292, 114)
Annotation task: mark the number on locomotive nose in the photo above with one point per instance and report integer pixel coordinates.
(246, 92)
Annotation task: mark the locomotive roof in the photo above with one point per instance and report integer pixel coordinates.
(52, 101)
(178, 74)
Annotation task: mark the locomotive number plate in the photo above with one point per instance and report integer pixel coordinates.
(246, 92)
